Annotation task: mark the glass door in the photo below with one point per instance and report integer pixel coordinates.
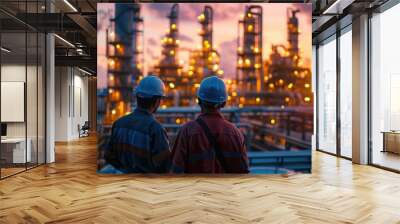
(385, 89)
(327, 96)
(22, 76)
(14, 154)
(346, 92)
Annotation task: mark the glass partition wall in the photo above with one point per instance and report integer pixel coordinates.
(334, 94)
(345, 91)
(385, 89)
(22, 77)
(326, 77)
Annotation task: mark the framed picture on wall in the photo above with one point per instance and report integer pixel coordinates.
(164, 67)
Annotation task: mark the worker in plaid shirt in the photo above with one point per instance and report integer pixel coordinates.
(210, 144)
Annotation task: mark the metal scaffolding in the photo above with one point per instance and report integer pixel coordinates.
(169, 68)
(293, 34)
(205, 60)
(285, 71)
(249, 72)
(124, 60)
(179, 84)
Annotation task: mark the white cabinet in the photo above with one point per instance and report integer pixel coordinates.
(19, 155)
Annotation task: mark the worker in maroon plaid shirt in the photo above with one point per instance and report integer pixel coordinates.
(210, 144)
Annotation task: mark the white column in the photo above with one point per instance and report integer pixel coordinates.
(360, 90)
(63, 103)
(50, 92)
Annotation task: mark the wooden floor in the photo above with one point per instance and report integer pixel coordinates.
(70, 191)
(386, 159)
(10, 171)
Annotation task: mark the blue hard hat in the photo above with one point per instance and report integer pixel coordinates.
(150, 86)
(212, 89)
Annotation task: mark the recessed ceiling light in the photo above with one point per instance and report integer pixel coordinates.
(84, 71)
(5, 49)
(64, 40)
(70, 5)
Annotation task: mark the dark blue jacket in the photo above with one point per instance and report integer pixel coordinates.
(139, 144)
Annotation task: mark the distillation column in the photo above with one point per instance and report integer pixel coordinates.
(249, 73)
(293, 34)
(124, 65)
(169, 68)
(210, 57)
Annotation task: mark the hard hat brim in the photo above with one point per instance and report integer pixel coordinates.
(211, 101)
(145, 95)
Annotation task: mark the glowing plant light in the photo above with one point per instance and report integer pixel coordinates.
(201, 17)
(215, 67)
(247, 61)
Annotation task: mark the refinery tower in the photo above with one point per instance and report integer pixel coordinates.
(288, 79)
(125, 61)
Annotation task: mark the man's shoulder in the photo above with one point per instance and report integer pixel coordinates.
(122, 120)
(189, 124)
(230, 127)
(156, 125)
(189, 127)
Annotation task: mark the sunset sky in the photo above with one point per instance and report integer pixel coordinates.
(226, 16)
